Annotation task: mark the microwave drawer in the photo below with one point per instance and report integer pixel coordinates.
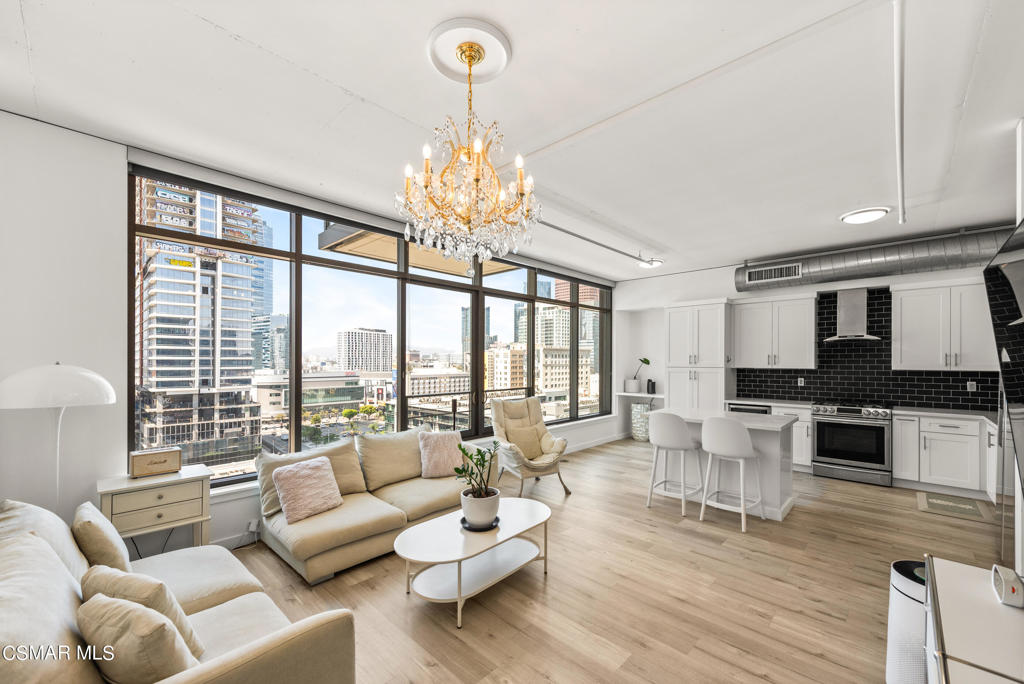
(950, 426)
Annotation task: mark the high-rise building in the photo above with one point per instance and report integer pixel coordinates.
(262, 294)
(505, 366)
(194, 310)
(467, 332)
(520, 322)
(365, 349)
(279, 343)
(552, 326)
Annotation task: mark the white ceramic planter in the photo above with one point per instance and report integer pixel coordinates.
(480, 513)
(632, 386)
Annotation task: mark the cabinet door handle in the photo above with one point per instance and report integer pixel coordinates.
(808, 429)
(907, 420)
(990, 444)
(946, 361)
(769, 359)
(956, 358)
(924, 442)
(776, 361)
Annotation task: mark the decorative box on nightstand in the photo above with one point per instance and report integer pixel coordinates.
(160, 502)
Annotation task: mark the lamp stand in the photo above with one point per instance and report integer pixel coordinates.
(60, 420)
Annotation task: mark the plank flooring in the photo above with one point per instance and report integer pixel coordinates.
(643, 595)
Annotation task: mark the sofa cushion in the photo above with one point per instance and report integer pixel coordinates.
(98, 538)
(200, 576)
(420, 496)
(17, 517)
(38, 600)
(236, 623)
(142, 589)
(344, 463)
(389, 458)
(306, 488)
(145, 645)
(439, 453)
(363, 515)
(527, 439)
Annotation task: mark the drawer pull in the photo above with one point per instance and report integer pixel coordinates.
(955, 427)
(159, 497)
(159, 515)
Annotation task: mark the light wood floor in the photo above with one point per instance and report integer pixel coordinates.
(643, 595)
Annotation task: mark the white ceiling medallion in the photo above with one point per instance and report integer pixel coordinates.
(444, 40)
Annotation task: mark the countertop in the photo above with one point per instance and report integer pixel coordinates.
(752, 421)
(773, 402)
(990, 416)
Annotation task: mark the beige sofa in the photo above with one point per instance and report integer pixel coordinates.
(382, 491)
(247, 639)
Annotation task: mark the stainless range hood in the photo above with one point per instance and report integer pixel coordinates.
(852, 316)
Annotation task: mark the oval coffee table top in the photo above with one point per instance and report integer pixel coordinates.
(443, 540)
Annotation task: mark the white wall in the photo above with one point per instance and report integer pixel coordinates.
(63, 288)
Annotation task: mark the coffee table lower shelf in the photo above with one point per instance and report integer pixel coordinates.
(460, 580)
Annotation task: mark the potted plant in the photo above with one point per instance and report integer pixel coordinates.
(479, 501)
(633, 384)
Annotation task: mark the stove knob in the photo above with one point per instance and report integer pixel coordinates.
(884, 413)
(815, 409)
(831, 409)
(876, 412)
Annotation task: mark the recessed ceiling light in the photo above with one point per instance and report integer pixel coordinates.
(866, 215)
(650, 263)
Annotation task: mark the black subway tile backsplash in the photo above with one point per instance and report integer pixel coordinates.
(859, 371)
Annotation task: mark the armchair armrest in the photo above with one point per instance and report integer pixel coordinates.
(510, 453)
(321, 648)
(553, 445)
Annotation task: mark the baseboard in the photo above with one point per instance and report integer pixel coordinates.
(235, 541)
(580, 446)
(940, 489)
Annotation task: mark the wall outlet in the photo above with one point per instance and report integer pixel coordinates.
(799, 382)
(972, 386)
(254, 525)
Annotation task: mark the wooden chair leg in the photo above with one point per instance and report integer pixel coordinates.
(563, 483)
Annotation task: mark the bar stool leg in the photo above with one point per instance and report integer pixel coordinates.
(760, 494)
(654, 471)
(707, 487)
(682, 479)
(700, 470)
(743, 499)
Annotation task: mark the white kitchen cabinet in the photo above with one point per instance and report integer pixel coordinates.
(992, 464)
(696, 335)
(803, 442)
(906, 448)
(752, 335)
(697, 391)
(774, 334)
(950, 459)
(943, 328)
(972, 343)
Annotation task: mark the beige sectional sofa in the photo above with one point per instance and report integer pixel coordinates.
(382, 491)
(247, 639)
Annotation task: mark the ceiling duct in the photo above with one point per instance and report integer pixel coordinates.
(962, 250)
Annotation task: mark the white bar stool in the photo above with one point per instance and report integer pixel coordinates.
(668, 432)
(727, 439)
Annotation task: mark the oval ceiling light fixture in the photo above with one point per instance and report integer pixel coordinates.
(649, 263)
(866, 215)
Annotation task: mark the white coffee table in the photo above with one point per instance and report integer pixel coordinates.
(459, 563)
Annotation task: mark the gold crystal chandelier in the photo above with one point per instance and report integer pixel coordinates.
(464, 212)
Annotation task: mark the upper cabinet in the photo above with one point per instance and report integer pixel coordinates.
(696, 336)
(943, 328)
(774, 334)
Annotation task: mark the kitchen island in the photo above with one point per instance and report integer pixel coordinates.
(773, 439)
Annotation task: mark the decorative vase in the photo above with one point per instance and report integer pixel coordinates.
(632, 385)
(639, 421)
(651, 387)
(480, 513)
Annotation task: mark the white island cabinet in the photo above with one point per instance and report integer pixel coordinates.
(773, 438)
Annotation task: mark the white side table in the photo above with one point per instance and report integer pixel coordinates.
(159, 502)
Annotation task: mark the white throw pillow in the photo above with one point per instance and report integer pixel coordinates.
(439, 453)
(145, 645)
(98, 538)
(306, 488)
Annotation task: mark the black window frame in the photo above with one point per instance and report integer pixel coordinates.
(297, 259)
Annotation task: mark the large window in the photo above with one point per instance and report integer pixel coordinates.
(241, 304)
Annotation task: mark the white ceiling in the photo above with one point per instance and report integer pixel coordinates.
(705, 133)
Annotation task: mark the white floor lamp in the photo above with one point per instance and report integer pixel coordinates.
(55, 386)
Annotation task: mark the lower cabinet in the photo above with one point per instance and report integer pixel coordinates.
(992, 463)
(803, 443)
(905, 448)
(697, 391)
(951, 460)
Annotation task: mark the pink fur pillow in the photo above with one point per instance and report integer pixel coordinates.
(306, 488)
(439, 453)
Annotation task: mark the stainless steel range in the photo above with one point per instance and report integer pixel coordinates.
(852, 442)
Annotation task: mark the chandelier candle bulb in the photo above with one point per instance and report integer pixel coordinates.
(408, 182)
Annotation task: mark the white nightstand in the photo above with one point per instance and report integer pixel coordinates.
(159, 502)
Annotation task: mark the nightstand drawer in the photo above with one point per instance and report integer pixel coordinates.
(159, 515)
(157, 496)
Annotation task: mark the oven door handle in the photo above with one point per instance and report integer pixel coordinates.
(852, 421)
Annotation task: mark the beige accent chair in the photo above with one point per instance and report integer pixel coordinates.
(247, 639)
(527, 448)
